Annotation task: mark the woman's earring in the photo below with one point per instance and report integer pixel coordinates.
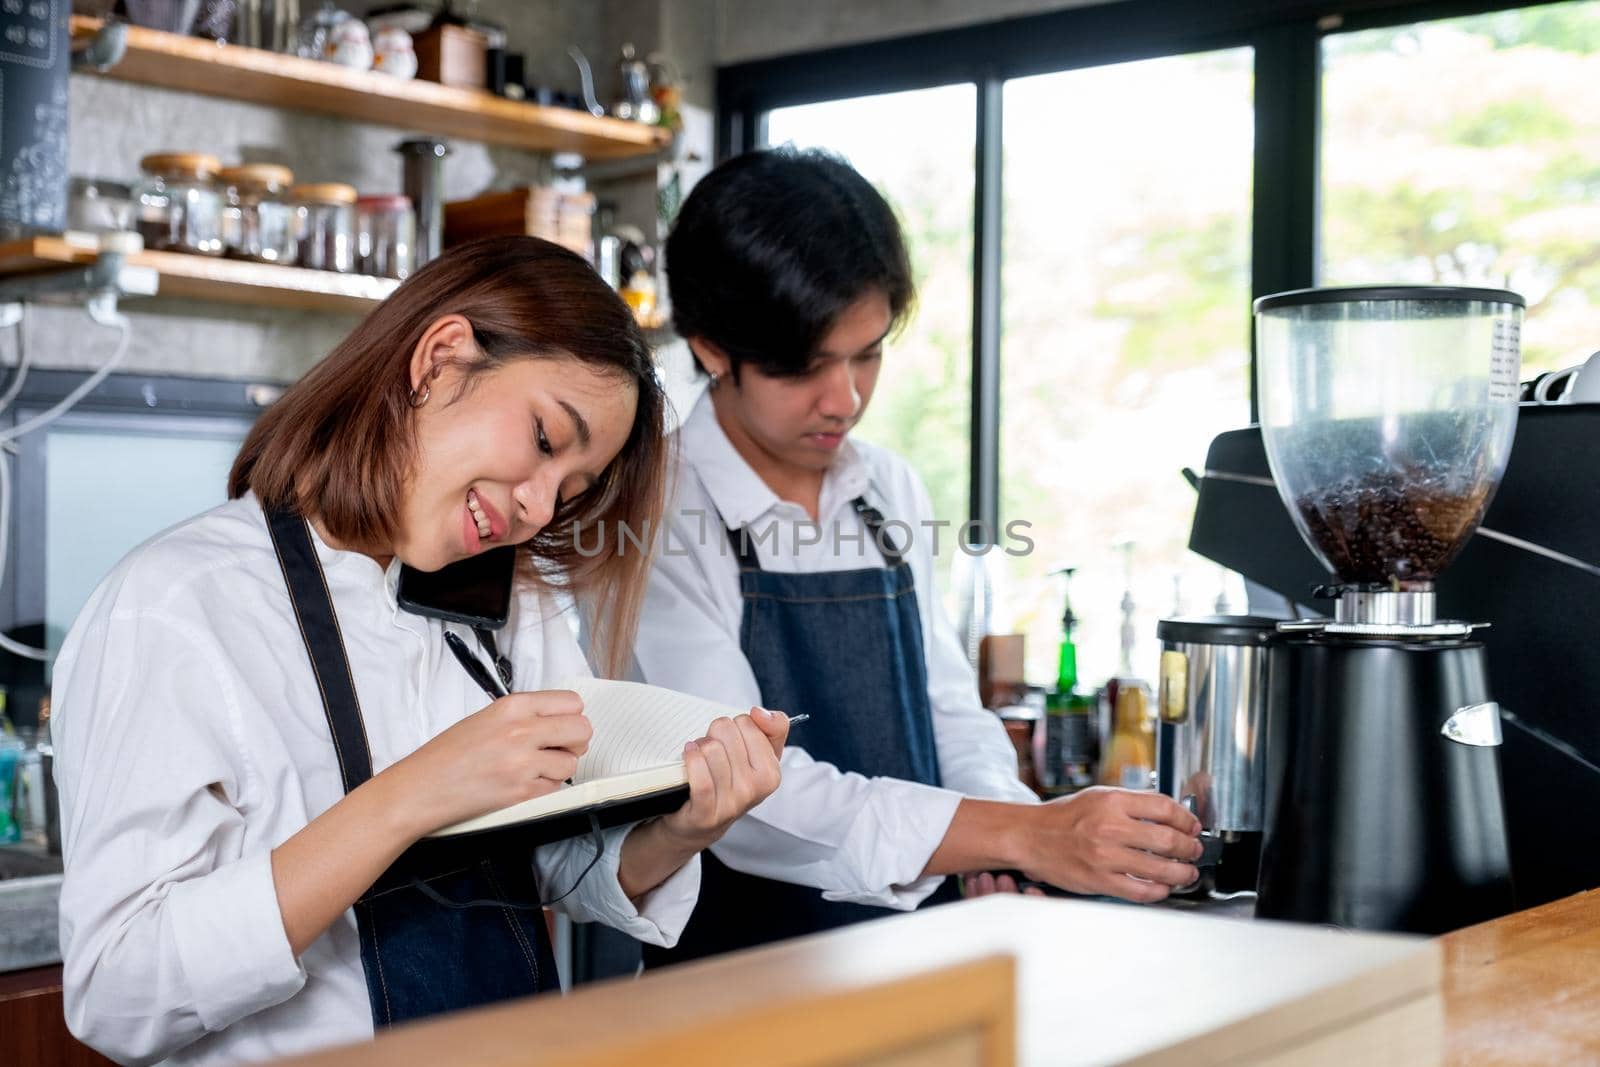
(419, 399)
(715, 378)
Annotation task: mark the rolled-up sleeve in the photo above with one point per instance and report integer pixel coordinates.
(170, 926)
(656, 918)
(858, 839)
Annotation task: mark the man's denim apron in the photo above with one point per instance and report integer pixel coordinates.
(844, 647)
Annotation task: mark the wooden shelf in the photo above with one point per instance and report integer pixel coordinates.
(232, 281)
(228, 281)
(253, 75)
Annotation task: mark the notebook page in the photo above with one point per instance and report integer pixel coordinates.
(638, 726)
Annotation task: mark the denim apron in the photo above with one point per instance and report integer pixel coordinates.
(846, 648)
(423, 953)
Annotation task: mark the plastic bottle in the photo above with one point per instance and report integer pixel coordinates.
(11, 752)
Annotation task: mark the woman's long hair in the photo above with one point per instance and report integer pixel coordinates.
(340, 444)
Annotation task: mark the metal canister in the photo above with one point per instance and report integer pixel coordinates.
(424, 184)
(1214, 699)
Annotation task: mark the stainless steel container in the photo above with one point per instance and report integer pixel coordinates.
(1216, 676)
(424, 184)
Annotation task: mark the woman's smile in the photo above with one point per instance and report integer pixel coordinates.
(481, 522)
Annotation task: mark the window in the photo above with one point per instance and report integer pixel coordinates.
(1467, 151)
(1148, 192)
(137, 479)
(1125, 308)
(916, 147)
(138, 454)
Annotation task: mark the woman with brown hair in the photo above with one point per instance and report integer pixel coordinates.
(253, 735)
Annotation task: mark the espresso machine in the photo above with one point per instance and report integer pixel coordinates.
(1370, 741)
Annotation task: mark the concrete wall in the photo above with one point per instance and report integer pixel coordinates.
(759, 29)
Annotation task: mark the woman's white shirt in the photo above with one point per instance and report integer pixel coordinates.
(858, 839)
(191, 740)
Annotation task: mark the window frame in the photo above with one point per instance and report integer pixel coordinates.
(1285, 36)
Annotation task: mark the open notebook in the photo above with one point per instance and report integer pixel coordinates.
(633, 769)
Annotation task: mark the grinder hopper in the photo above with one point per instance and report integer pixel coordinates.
(1388, 416)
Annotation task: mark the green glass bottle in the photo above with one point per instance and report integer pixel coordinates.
(1069, 720)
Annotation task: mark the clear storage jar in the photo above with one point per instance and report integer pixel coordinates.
(97, 206)
(386, 236)
(325, 225)
(178, 205)
(258, 222)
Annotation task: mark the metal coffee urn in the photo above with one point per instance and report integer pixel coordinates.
(1213, 736)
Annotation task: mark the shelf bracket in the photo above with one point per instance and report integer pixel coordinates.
(104, 50)
(109, 273)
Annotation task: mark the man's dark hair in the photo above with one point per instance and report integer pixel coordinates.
(771, 247)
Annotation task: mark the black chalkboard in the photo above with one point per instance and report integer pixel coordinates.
(35, 55)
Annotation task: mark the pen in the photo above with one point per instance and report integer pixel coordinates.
(480, 674)
(474, 667)
(796, 720)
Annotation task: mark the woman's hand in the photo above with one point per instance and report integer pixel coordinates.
(731, 770)
(520, 747)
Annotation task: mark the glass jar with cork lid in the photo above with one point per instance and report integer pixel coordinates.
(325, 225)
(386, 236)
(258, 222)
(178, 205)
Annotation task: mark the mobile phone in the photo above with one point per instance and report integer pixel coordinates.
(476, 591)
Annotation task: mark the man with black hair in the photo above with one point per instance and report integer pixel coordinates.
(797, 572)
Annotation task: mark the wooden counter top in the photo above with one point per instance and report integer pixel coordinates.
(1094, 984)
(1525, 989)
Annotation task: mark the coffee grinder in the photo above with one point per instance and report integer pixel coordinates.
(1387, 416)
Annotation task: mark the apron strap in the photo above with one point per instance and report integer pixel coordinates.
(502, 664)
(743, 550)
(870, 515)
(319, 628)
(740, 538)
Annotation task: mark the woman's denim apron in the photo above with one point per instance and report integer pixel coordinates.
(421, 953)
